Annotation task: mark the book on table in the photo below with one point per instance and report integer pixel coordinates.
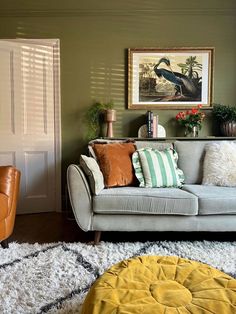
(155, 126)
(149, 124)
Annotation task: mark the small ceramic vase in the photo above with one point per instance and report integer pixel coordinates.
(110, 117)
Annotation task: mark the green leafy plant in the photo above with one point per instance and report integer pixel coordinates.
(191, 118)
(94, 117)
(224, 113)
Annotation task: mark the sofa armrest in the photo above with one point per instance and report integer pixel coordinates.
(80, 196)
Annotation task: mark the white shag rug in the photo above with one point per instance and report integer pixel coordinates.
(55, 278)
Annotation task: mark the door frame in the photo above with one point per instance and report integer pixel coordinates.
(55, 44)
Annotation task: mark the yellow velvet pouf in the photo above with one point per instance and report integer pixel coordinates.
(162, 285)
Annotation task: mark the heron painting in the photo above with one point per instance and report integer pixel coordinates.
(185, 85)
(178, 78)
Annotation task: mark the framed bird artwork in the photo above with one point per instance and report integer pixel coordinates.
(170, 78)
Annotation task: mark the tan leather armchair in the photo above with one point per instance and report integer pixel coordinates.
(9, 190)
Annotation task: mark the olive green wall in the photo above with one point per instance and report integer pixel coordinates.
(94, 37)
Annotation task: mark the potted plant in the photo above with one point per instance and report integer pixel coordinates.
(226, 116)
(98, 113)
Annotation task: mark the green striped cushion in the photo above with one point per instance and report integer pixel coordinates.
(159, 168)
(138, 169)
(179, 171)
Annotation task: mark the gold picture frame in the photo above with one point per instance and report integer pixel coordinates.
(170, 78)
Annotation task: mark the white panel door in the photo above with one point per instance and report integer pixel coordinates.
(27, 121)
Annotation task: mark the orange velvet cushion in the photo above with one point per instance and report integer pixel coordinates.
(115, 161)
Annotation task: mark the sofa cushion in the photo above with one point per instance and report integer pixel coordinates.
(214, 200)
(104, 141)
(92, 170)
(154, 201)
(115, 163)
(135, 157)
(159, 168)
(191, 157)
(138, 167)
(219, 167)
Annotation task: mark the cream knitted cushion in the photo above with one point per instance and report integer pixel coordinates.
(219, 167)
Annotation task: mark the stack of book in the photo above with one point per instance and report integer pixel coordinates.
(152, 124)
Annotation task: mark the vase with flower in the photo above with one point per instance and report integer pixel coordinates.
(191, 120)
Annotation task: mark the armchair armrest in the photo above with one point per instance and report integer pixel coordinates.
(9, 184)
(9, 190)
(80, 196)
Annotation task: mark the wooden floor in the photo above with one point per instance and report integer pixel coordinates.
(47, 227)
(54, 227)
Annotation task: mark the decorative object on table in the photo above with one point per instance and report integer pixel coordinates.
(110, 117)
(191, 120)
(226, 116)
(169, 78)
(142, 131)
(96, 114)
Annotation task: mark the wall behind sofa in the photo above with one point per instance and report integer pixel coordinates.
(94, 37)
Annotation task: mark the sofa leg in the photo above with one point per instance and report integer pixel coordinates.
(5, 244)
(97, 237)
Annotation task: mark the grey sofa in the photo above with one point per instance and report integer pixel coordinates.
(194, 207)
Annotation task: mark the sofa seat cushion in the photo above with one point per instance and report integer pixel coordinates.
(153, 201)
(214, 200)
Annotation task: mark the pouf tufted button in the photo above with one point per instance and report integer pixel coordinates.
(163, 285)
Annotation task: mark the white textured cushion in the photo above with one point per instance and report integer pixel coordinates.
(159, 168)
(92, 170)
(219, 167)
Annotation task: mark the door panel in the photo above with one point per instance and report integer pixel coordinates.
(27, 121)
(7, 99)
